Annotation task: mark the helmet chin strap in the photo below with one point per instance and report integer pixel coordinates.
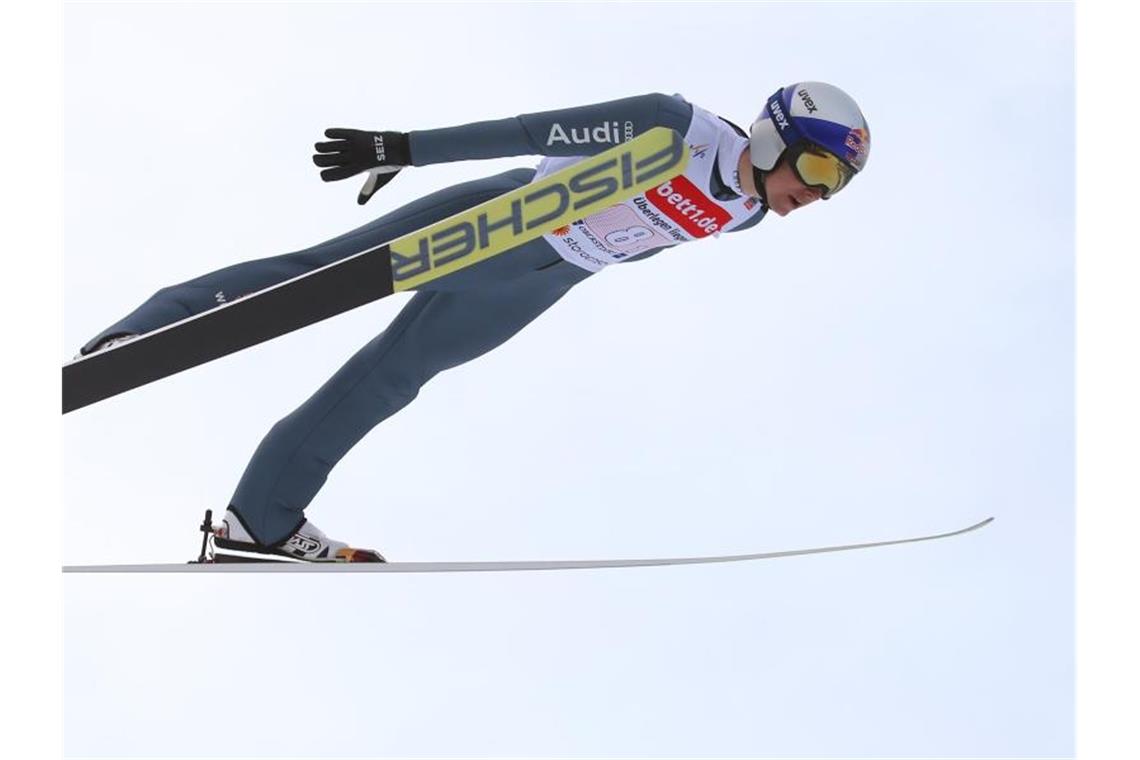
(758, 180)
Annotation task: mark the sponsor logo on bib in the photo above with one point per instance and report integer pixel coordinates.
(681, 200)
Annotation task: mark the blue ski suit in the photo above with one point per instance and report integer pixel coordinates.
(446, 323)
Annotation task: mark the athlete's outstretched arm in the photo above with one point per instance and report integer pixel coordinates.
(581, 131)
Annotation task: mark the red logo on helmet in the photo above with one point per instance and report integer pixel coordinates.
(858, 144)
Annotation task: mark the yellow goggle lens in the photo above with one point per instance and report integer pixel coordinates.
(822, 169)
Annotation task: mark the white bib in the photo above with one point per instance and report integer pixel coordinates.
(676, 211)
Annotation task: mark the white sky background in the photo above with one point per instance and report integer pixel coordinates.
(896, 361)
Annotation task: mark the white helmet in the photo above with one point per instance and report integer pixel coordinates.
(816, 118)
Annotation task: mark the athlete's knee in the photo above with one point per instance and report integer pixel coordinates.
(396, 390)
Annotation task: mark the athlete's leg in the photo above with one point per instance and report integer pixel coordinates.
(194, 296)
(436, 330)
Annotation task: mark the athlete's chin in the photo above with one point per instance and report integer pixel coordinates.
(783, 204)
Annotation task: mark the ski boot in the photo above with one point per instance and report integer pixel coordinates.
(232, 542)
(105, 344)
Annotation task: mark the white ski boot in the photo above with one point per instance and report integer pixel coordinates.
(231, 542)
(107, 343)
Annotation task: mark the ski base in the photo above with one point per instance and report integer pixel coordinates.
(272, 566)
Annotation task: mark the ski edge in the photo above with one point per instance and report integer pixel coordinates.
(507, 566)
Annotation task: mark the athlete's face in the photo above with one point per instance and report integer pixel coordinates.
(785, 191)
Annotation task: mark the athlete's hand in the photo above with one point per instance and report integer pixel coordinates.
(352, 151)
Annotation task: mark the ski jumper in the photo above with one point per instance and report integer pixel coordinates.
(458, 317)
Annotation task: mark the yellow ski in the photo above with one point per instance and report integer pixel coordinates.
(512, 219)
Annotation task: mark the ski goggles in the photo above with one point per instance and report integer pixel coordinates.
(818, 168)
(813, 165)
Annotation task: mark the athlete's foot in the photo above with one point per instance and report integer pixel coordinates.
(106, 343)
(233, 542)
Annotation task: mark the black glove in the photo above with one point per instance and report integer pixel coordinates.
(352, 151)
